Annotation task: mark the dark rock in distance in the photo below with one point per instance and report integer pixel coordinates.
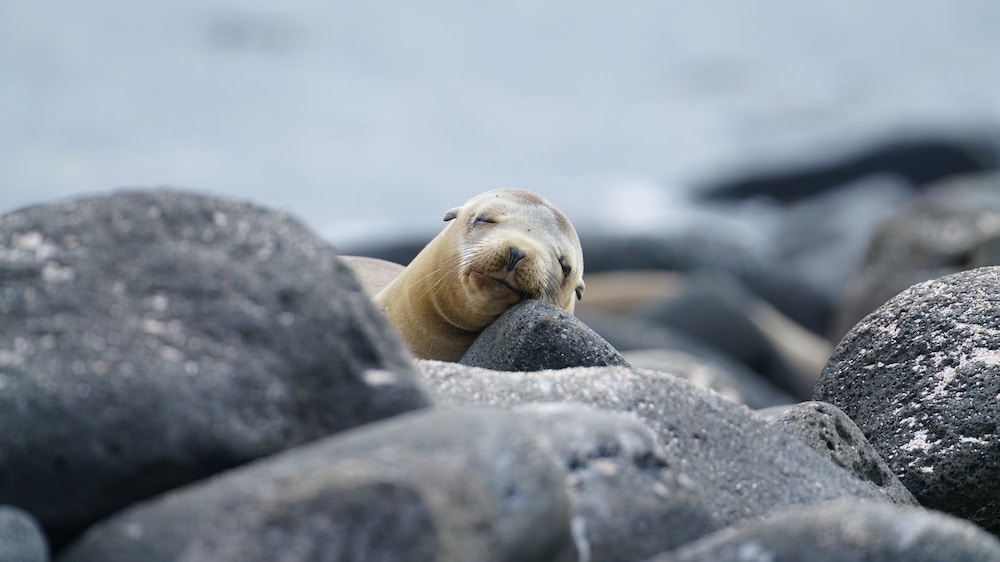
(725, 377)
(953, 227)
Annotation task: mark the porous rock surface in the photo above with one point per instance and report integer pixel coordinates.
(148, 339)
(534, 335)
(741, 466)
(436, 485)
(626, 501)
(828, 430)
(845, 530)
(920, 376)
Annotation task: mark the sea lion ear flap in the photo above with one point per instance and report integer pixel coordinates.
(452, 213)
(579, 290)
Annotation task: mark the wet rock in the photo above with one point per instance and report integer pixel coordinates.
(533, 336)
(441, 484)
(920, 377)
(148, 339)
(845, 530)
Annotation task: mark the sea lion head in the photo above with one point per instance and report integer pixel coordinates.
(511, 245)
(499, 248)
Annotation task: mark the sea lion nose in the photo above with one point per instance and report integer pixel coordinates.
(516, 255)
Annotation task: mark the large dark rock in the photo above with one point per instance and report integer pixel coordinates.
(828, 430)
(951, 228)
(148, 339)
(533, 336)
(920, 376)
(845, 530)
(627, 503)
(739, 465)
(441, 484)
(21, 539)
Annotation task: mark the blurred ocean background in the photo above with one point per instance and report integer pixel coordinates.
(369, 120)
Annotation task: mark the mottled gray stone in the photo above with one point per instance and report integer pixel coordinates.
(627, 503)
(740, 465)
(845, 530)
(21, 539)
(920, 376)
(533, 336)
(828, 430)
(148, 339)
(440, 484)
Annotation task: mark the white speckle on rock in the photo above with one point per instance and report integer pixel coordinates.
(134, 531)
(379, 377)
(944, 378)
(985, 355)
(918, 443)
(578, 528)
(754, 552)
(28, 247)
(158, 302)
(55, 273)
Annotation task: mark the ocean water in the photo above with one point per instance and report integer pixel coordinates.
(369, 120)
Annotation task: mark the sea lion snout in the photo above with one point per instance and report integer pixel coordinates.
(516, 255)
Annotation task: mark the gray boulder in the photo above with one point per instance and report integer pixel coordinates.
(920, 376)
(740, 466)
(626, 501)
(21, 539)
(828, 430)
(845, 530)
(148, 339)
(437, 485)
(533, 336)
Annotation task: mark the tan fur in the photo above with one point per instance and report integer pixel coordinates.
(464, 278)
(373, 274)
